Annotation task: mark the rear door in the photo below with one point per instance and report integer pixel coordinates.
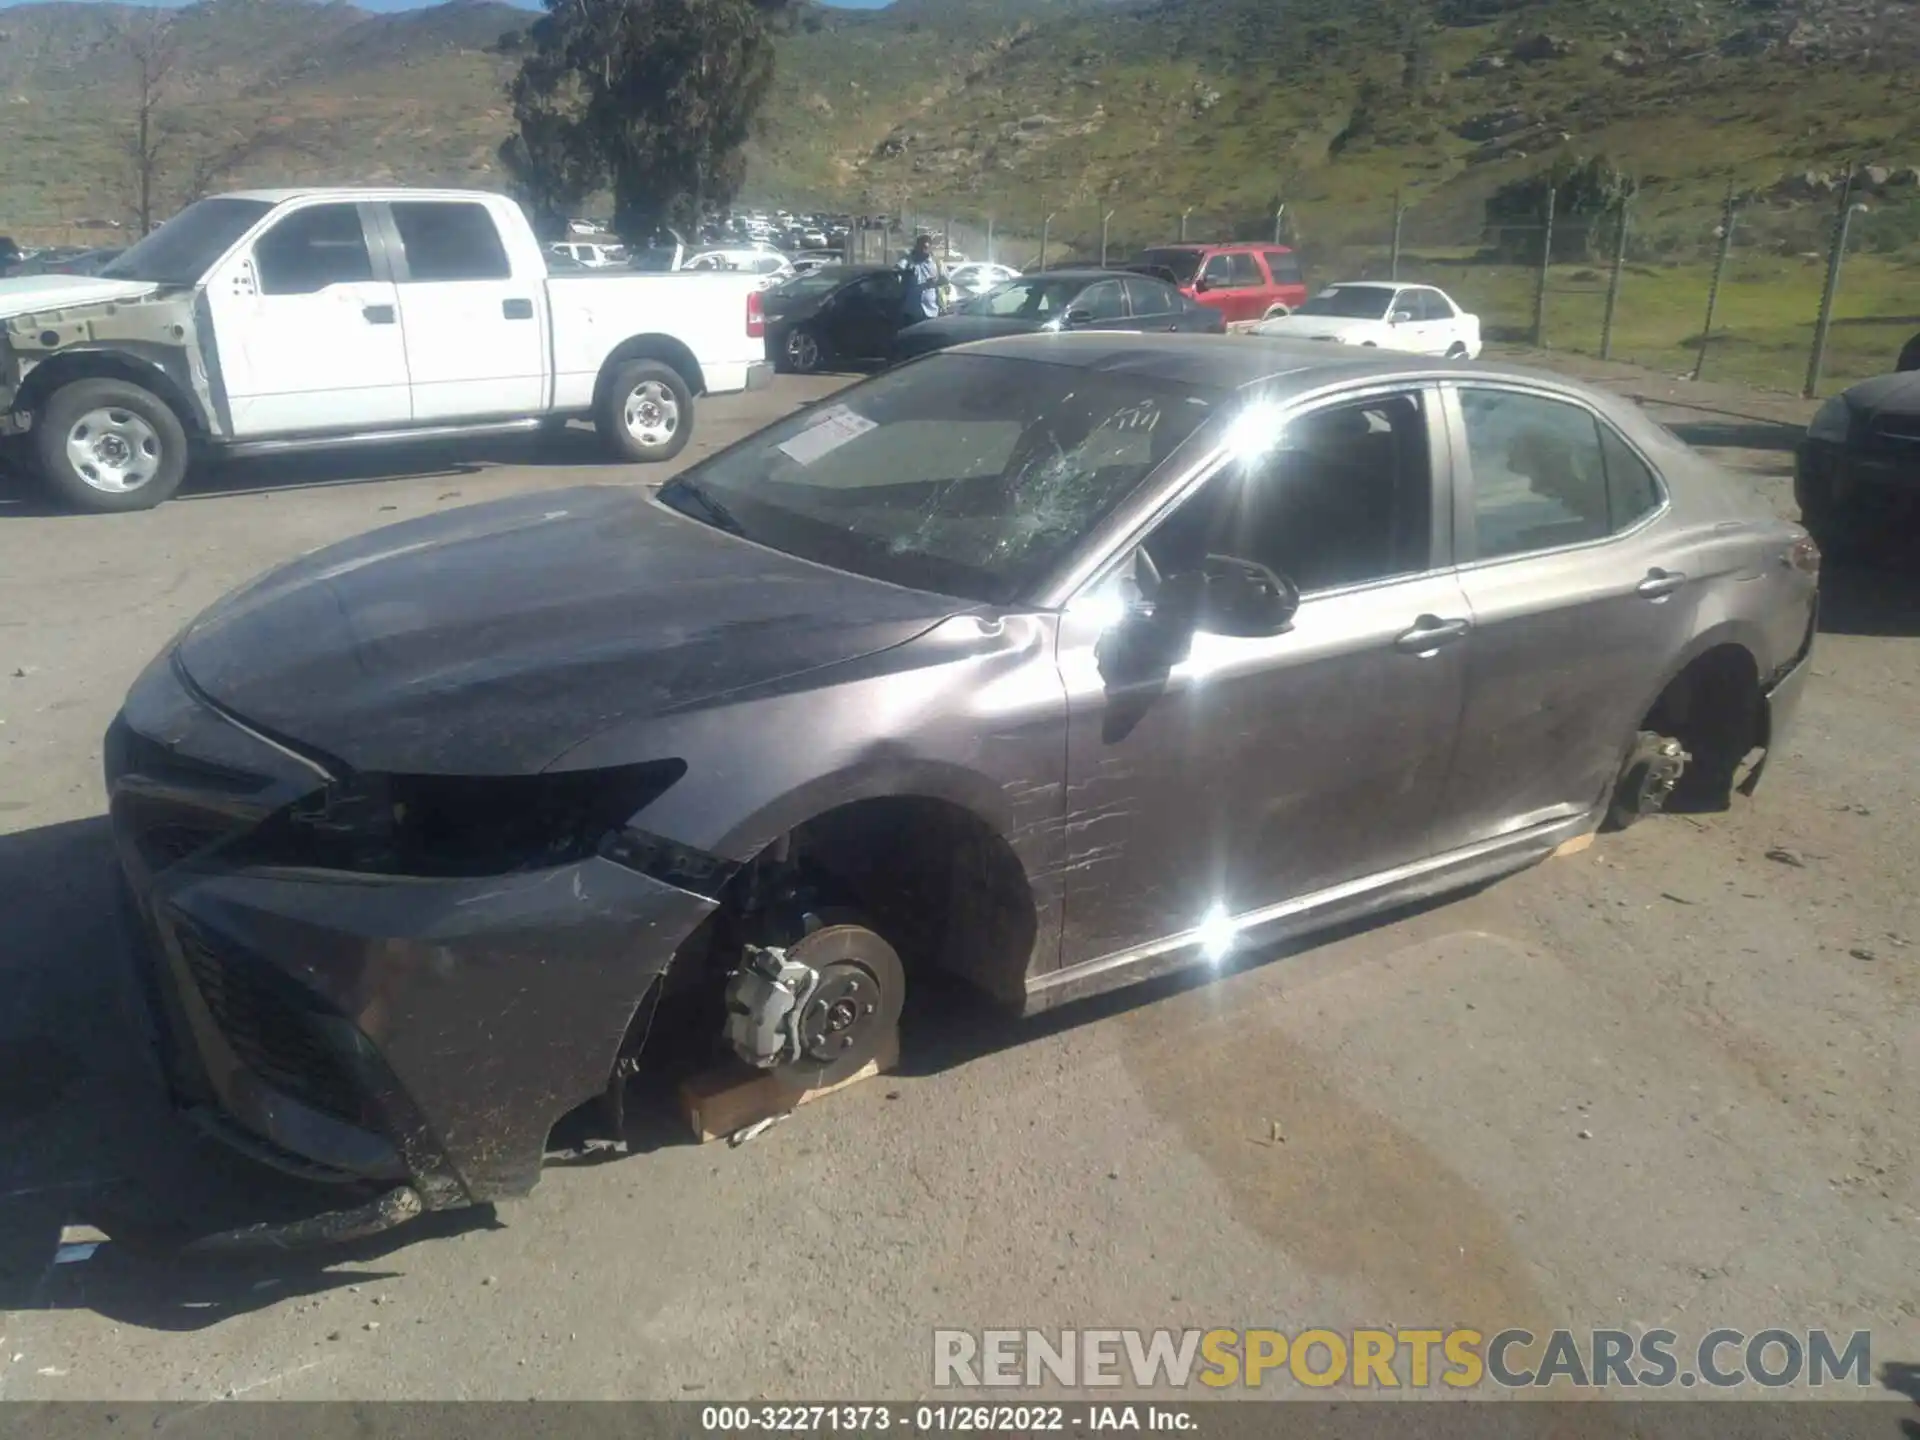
(475, 346)
(1243, 291)
(862, 318)
(306, 326)
(1105, 306)
(1289, 286)
(1432, 320)
(1579, 602)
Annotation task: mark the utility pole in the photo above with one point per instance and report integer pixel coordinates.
(1719, 278)
(1046, 233)
(1185, 214)
(1279, 220)
(1106, 227)
(1834, 258)
(1613, 281)
(1546, 264)
(989, 239)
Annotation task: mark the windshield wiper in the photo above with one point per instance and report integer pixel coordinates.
(717, 514)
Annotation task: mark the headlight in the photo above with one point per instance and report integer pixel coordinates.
(448, 826)
(1832, 422)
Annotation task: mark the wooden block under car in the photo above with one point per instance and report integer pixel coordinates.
(1573, 846)
(726, 1100)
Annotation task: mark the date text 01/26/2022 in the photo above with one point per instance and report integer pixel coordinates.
(935, 1419)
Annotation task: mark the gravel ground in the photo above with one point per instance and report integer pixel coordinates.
(1667, 1081)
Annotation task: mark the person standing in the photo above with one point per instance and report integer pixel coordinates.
(925, 278)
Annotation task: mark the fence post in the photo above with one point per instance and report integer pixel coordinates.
(1046, 234)
(989, 239)
(1719, 277)
(1399, 216)
(1106, 226)
(946, 239)
(1834, 256)
(1184, 215)
(1613, 280)
(1546, 265)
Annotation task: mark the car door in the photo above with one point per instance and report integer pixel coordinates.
(306, 327)
(1289, 286)
(1432, 320)
(1250, 773)
(1579, 601)
(861, 319)
(475, 345)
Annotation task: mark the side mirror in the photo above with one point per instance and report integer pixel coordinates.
(1400, 317)
(1079, 316)
(1202, 285)
(1244, 599)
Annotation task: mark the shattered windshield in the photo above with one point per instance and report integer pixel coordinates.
(181, 251)
(968, 475)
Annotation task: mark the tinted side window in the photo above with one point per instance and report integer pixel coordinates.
(451, 240)
(1632, 491)
(1102, 301)
(1346, 499)
(311, 249)
(1538, 478)
(1151, 298)
(1284, 266)
(1219, 270)
(1246, 271)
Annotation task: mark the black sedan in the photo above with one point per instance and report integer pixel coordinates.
(1052, 664)
(1858, 467)
(837, 314)
(1058, 300)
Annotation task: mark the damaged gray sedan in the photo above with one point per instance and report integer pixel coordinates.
(1052, 663)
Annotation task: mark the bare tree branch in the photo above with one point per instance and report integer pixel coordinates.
(153, 52)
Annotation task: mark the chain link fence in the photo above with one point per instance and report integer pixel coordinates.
(1802, 289)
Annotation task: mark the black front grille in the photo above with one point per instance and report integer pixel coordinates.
(269, 1030)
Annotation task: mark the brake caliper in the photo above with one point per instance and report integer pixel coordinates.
(766, 997)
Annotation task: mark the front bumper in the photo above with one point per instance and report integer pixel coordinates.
(366, 1029)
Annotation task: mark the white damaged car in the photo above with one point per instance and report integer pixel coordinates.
(1383, 315)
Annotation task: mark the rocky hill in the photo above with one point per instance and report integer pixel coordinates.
(1025, 108)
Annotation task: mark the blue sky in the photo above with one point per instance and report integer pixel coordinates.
(418, 4)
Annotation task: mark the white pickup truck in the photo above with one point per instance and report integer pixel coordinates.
(299, 319)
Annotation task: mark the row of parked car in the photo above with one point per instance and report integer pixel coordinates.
(841, 314)
(54, 259)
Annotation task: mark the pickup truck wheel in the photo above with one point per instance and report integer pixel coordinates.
(646, 411)
(106, 445)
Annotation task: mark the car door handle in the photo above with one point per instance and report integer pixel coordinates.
(378, 314)
(517, 309)
(1430, 632)
(1659, 584)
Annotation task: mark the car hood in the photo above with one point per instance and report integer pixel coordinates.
(492, 639)
(1897, 394)
(31, 294)
(1314, 327)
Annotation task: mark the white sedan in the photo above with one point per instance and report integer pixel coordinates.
(1382, 314)
(981, 276)
(771, 266)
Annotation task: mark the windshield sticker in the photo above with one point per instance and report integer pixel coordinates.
(836, 426)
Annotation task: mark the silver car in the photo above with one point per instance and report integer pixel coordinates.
(1051, 661)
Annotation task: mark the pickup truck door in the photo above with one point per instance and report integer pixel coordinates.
(306, 327)
(476, 344)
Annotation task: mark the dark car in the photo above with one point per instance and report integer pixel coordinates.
(1857, 470)
(68, 261)
(1909, 355)
(1052, 664)
(1086, 299)
(10, 254)
(836, 314)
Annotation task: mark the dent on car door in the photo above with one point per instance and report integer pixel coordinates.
(1580, 600)
(1213, 772)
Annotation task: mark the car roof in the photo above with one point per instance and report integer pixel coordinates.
(1222, 245)
(1289, 367)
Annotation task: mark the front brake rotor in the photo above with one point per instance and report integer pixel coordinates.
(854, 1009)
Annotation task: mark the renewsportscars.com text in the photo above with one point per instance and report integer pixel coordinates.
(1457, 1359)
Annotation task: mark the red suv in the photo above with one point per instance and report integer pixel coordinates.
(1245, 283)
